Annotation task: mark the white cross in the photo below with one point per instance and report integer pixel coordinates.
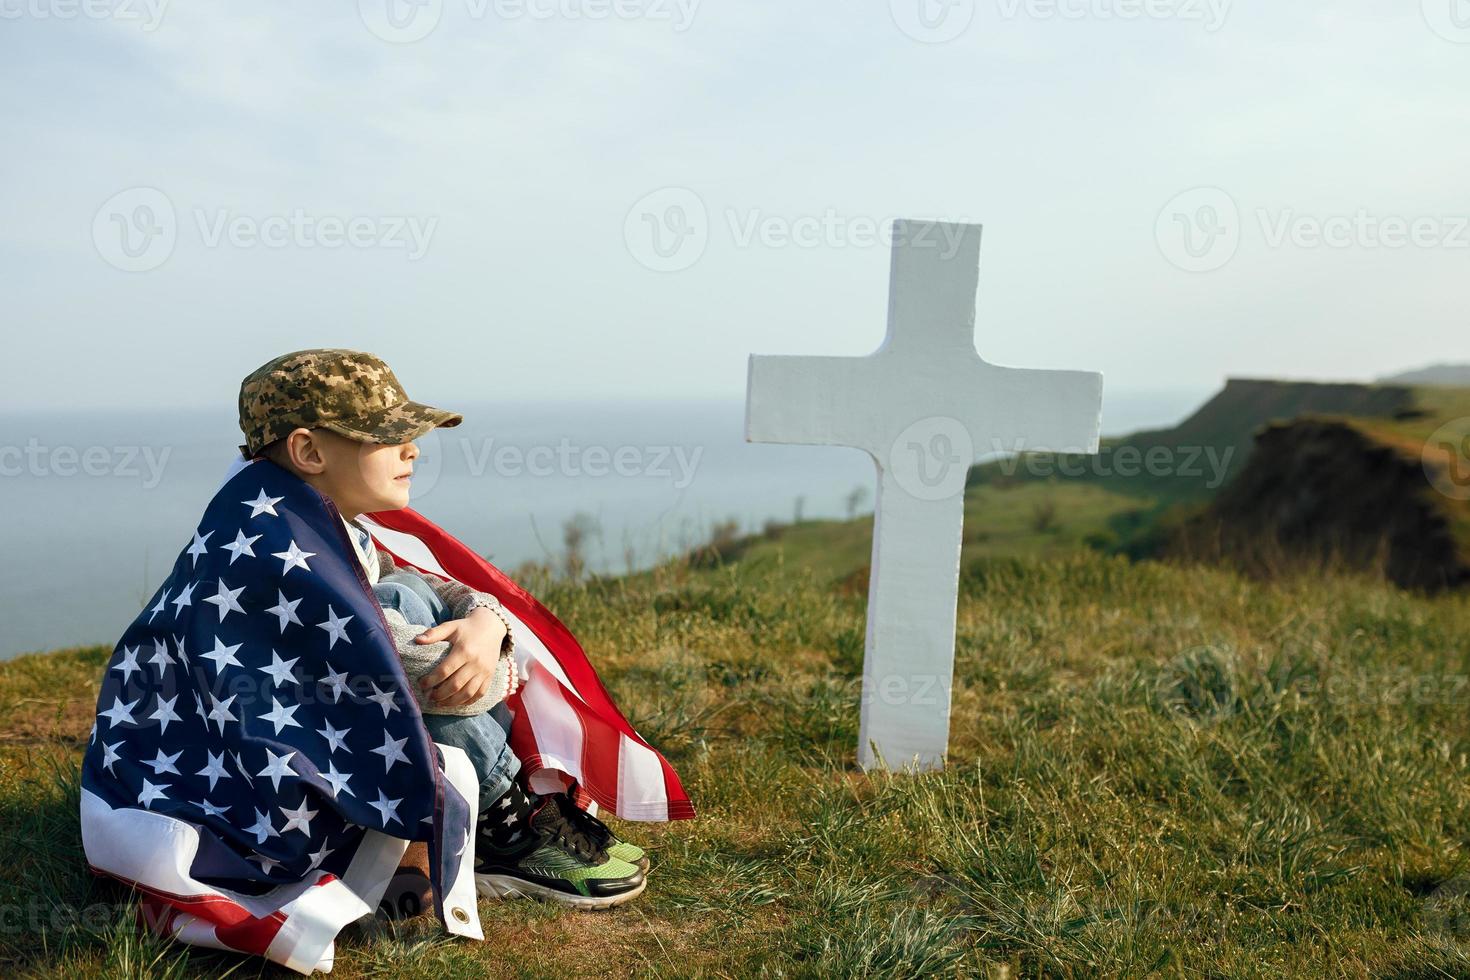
(924, 405)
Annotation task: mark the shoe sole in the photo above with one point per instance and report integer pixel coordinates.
(504, 887)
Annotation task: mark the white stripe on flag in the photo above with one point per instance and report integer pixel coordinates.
(555, 725)
(641, 787)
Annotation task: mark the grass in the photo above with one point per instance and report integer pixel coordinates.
(1155, 770)
(1001, 521)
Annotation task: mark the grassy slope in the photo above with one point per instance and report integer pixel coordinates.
(1152, 767)
(999, 523)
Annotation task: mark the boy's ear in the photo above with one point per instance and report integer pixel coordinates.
(303, 448)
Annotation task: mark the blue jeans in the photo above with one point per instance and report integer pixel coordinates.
(482, 736)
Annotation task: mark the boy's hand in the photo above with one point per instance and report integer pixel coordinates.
(474, 649)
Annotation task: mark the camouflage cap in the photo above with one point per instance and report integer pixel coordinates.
(350, 392)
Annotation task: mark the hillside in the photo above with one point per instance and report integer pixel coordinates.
(1335, 491)
(1154, 771)
(1202, 452)
(1452, 375)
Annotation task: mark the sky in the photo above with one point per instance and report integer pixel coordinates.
(619, 199)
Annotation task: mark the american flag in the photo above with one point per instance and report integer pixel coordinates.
(257, 766)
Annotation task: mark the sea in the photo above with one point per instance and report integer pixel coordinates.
(102, 501)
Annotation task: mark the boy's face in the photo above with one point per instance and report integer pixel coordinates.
(360, 477)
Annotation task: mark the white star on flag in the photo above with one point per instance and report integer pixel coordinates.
(317, 857)
(225, 598)
(388, 808)
(197, 548)
(163, 713)
(221, 711)
(294, 557)
(262, 828)
(280, 716)
(337, 681)
(241, 546)
(391, 750)
(150, 792)
(335, 626)
(276, 767)
(384, 699)
(119, 712)
(129, 663)
(161, 657)
(298, 819)
(336, 738)
(165, 763)
(110, 755)
(267, 864)
(223, 656)
(285, 610)
(263, 504)
(279, 670)
(185, 598)
(210, 810)
(338, 780)
(215, 770)
(162, 600)
(179, 649)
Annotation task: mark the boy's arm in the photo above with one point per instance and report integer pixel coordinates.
(460, 599)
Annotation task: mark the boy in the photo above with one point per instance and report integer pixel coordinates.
(340, 421)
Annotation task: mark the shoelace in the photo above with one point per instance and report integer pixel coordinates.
(567, 833)
(585, 822)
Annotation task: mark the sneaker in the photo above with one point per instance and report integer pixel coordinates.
(601, 834)
(557, 862)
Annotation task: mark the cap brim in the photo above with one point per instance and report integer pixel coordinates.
(397, 425)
